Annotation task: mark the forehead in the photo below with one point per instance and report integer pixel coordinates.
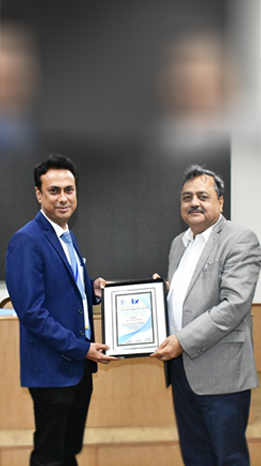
(58, 177)
(200, 183)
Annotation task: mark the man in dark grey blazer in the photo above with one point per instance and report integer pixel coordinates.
(213, 271)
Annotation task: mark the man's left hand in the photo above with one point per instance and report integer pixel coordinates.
(169, 349)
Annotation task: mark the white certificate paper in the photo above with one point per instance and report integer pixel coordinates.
(134, 318)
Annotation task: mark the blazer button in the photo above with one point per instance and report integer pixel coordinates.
(80, 311)
(82, 332)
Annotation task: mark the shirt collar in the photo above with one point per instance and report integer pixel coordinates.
(189, 237)
(58, 230)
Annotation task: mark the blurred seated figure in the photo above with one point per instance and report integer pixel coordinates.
(19, 85)
(198, 89)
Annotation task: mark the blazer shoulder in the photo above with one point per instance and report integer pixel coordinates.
(33, 229)
(27, 229)
(177, 239)
(176, 245)
(236, 231)
(235, 237)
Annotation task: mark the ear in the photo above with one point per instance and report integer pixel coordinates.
(38, 195)
(221, 202)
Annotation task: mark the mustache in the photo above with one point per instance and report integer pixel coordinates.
(195, 209)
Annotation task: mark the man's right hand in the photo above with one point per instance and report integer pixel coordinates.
(96, 354)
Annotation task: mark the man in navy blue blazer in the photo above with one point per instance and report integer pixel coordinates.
(57, 350)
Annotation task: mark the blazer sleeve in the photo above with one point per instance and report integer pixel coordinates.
(236, 286)
(26, 272)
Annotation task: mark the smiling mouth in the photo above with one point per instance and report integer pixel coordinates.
(63, 208)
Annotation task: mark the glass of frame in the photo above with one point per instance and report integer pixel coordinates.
(134, 317)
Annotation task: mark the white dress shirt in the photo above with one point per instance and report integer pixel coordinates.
(182, 276)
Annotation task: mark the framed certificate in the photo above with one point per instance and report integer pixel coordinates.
(134, 317)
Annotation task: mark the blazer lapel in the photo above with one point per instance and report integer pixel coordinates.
(51, 236)
(206, 252)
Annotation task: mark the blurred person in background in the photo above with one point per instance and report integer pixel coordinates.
(198, 90)
(19, 87)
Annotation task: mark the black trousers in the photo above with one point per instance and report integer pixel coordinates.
(60, 416)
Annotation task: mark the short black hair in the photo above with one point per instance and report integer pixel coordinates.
(196, 170)
(56, 161)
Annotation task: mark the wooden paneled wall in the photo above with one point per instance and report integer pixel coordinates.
(131, 418)
(129, 392)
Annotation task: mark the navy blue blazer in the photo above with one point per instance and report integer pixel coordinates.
(46, 298)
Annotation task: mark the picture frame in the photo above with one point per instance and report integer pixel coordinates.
(134, 317)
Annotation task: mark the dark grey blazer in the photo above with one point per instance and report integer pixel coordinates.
(216, 330)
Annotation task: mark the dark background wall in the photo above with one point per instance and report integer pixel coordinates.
(97, 105)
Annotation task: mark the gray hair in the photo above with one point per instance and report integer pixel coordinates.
(196, 170)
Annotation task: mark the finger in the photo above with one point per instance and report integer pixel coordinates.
(104, 347)
(102, 282)
(155, 276)
(99, 283)
(108, 359)
(160, 347)
(160, 353)
(157, 356)
(101, 346)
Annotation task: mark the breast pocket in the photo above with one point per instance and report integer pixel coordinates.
(212, 272)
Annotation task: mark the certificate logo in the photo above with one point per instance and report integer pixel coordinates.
(134, 301)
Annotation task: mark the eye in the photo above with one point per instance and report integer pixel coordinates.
(203, 197)
(186, 198)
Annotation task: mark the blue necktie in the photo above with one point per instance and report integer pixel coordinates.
(66, 237)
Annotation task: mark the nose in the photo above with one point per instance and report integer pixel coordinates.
(62, 197)
(195, 201)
